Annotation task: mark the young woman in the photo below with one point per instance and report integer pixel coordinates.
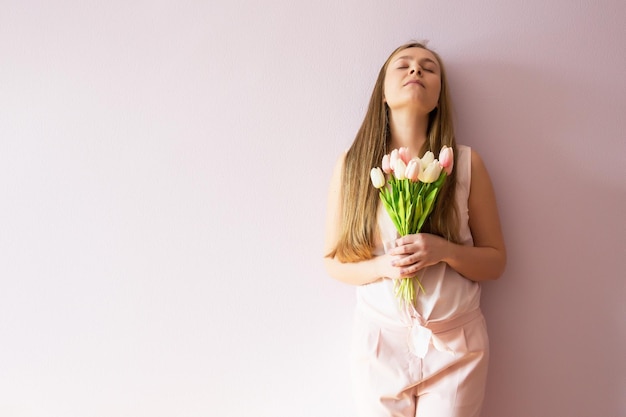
(428, 359)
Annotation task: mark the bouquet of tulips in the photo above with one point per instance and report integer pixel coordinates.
(409, 197)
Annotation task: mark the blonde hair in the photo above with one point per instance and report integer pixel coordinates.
(360, 199)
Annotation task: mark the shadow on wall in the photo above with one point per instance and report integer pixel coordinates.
(557, 318)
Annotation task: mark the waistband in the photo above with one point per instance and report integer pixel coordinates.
(441, 326)
(436, 326)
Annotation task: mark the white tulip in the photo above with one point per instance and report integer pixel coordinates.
(378, 178)
(431, 173)
(428, 158)
(399, 169)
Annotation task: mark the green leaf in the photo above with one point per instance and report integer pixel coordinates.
(392, 214)
(410, 216)
(441, 179)
(428, 205)
(418, 215)
(401, 213)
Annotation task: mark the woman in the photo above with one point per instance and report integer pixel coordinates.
(428, 359)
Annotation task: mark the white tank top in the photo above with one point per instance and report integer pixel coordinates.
(447, 294)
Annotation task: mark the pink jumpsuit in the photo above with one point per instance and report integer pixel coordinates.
(427, 361)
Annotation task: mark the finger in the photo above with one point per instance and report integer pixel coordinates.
(398, 250)
(411, 270)
(403, 261)
(398, 263)
(407, 263)
(405, 240)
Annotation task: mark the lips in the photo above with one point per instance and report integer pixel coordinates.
(418, 82)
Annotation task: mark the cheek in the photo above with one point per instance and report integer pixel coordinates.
(437, 94)
(386, 89)
(391, 89)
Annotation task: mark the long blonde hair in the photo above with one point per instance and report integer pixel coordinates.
(360, 199)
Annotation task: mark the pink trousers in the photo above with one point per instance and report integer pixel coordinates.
(446, 379)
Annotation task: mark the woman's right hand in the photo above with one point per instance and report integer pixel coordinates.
(385, 268)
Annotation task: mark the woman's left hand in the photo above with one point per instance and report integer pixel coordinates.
(415, 252)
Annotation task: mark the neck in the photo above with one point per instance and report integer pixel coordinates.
(408, 129)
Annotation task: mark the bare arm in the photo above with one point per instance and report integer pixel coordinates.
(356, 273)
(487, 258)
(483, 261)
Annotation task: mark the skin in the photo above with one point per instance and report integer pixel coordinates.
(412, 86)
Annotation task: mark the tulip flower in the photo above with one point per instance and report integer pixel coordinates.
(378, 178)
(386, 164)
(431, 173)
(427, 159)
(403, 153)
(413, 169)
(446, 159)
(393, 157)
(399, 169)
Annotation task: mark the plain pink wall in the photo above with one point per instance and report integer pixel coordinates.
(164, 166)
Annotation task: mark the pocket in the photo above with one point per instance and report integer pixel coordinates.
(476, 335)
(453, 340)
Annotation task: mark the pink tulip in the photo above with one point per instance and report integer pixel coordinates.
(446, 159)
(393, 157)
(413, 169)
(399, 169)
(386, 164)
(403, 152)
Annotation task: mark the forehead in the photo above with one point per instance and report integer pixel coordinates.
(414, 53)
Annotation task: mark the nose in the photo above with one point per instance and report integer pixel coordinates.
(416, 70)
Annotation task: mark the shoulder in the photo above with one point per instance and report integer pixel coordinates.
(341, 159)
(471, 171)
(478, 166)
(339, 163)
(468, 157)
(480, 180)
(335, 182)
(464, 155)
(463, 164)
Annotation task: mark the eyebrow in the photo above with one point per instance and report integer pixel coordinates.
(420, 60)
